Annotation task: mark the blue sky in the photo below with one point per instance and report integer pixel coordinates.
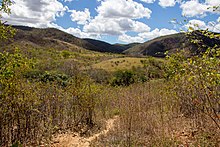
(116, 21)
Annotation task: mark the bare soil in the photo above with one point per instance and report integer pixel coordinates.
(75, 140)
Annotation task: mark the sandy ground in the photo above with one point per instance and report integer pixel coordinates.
(74, 140)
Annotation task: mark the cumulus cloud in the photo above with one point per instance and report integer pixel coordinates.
(213, 2)
(217, 28)
(199, 24)
(167, 3)
(195, 8)
(103, 26)
(81, 17)
(141, 37)
(123, 9)
(75, 31)
(68, 0)
(34, 13)
(129, 39)
(148, 1)
(157, 33)
(196, 24)
(78, 33)
(110, 26)
(119, 19)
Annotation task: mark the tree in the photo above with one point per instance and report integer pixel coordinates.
(6, 32)
(196, 80)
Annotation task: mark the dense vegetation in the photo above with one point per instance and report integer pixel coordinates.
(160, 102)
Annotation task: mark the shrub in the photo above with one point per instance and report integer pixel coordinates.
(123, 78)
(195, 82)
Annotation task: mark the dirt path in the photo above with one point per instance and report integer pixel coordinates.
(74, 140)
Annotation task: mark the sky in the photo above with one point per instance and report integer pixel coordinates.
(116, 21)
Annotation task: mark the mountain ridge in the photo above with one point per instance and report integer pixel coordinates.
(173, 43)
(51, 37)
(48, 36)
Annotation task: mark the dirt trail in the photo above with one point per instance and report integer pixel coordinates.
(71, 140)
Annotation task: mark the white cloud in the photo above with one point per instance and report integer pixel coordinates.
(199, 24)
(196, 24)
(217, 28)
(68, 0)
(81, 17)
(141, 37)
(148, 1)
(140, 27)
(34, 13)
(167, 3)
(129, 39)
(213, 2)
(116, 17)
(75, 31)
(104, 26)
(123, 9)
(157, 33)
(218, 20)
(195, 8)
(111, 26)
(78, 33)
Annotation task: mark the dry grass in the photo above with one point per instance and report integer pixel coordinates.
(150, 116)
(119, 63)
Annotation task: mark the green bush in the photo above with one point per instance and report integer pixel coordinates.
(195, 83)
(123, 78)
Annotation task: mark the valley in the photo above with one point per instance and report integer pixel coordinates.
(60, 90)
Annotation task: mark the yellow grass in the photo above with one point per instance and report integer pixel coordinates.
(119, 63)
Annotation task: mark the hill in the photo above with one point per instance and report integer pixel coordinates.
(48, 37)
(106, 47)
(59, 40)
(51, 37)
(171, 44)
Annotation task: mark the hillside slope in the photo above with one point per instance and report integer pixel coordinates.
(171, 44)
(59, 40)
(106, 47)
(48, 37)
(51, 37)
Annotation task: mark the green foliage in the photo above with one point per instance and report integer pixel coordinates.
(12, 65)
(65, 54)
(56, 96)
(154, 68)
(6, 32)
(36, 102)
(5, 6)
(50, 77)
(196, 83)
(123, 78)
(99, 75)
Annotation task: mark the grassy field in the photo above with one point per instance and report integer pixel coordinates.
(124, 63)
(119, 63)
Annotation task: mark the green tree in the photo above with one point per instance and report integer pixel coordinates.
(123, 78)
(196, 80)
(6, 32)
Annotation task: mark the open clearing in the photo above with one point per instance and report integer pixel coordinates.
(75, 140)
